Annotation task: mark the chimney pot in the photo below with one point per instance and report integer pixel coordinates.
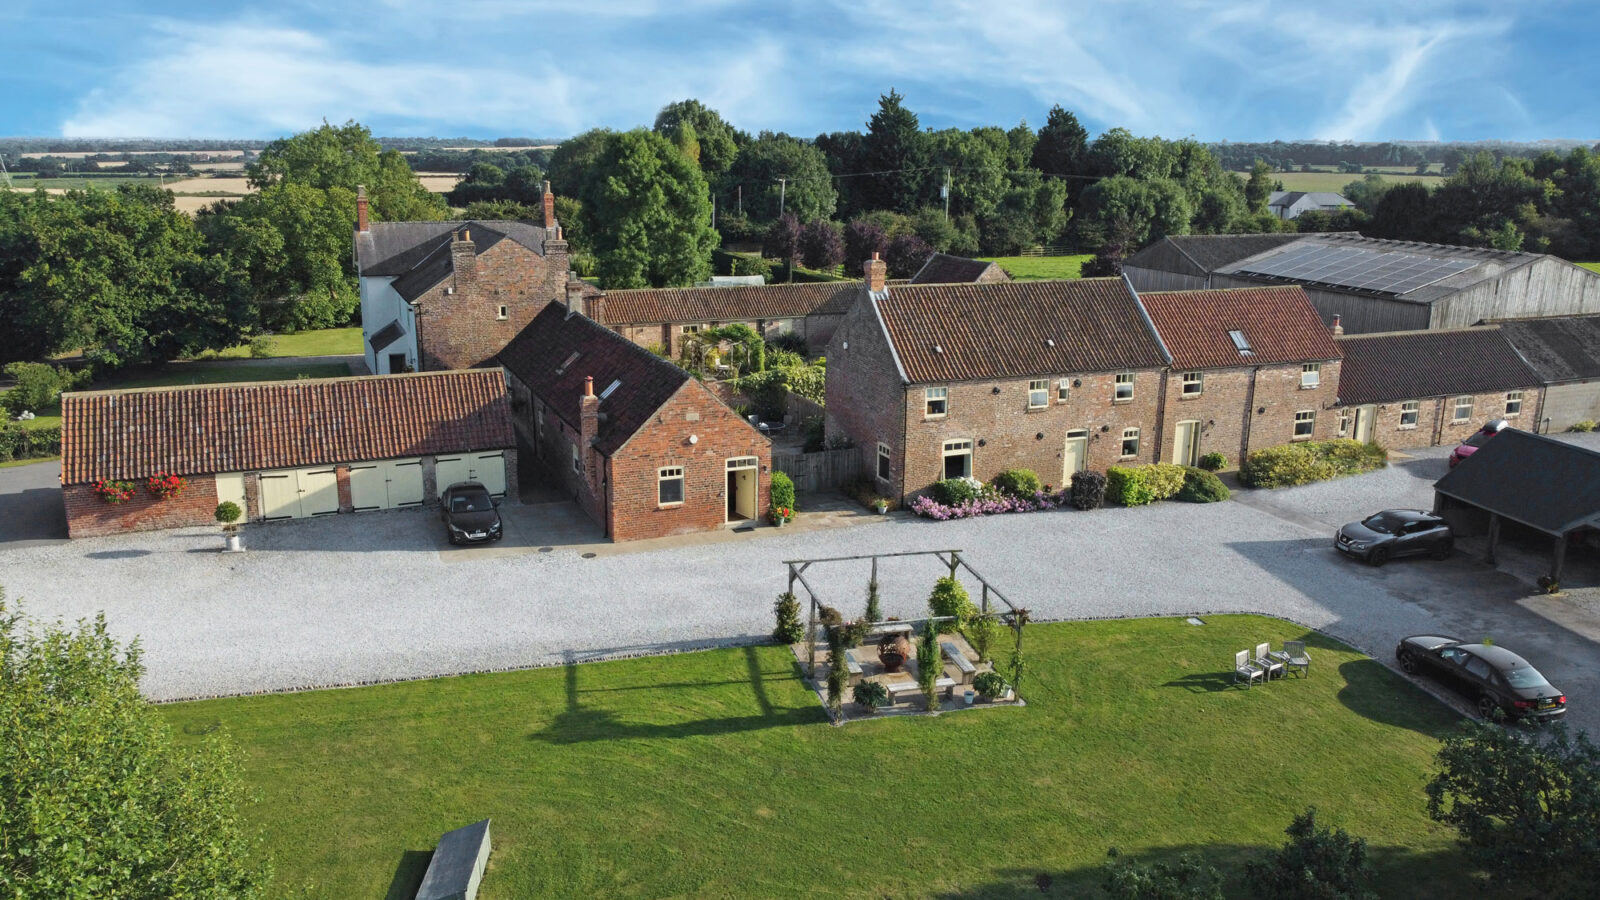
(588, 385)
(1337, 328)
(549, 207)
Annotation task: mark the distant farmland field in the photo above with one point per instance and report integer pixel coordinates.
(1334, 182)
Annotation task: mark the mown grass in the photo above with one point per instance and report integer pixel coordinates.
(1591, 266)
(1031, 268)
(716, 773)
(322, 342)
(1334, 182)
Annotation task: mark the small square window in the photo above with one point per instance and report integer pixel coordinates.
(958, 459)
(1310, 375)
(669, 485)
(503, 312)
(1513, 403)
(1124, 389)
(1461, 409)
(692, 329)
(1130, 442)
(577, 460)
(1192, 384)
(936, 401)
(1408, 414)
(1038, 393)
(1063, 390)
(1305, 424)
(883, 462)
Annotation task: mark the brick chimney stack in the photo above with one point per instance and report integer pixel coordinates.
(1337, 328)
(463, 259)
(588, 430)
(876, 272)
(574, 295)
(549, 207)
(361, 208)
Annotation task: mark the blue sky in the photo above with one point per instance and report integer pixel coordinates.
(1213, 69)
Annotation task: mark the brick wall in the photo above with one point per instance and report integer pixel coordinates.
(89, 516)
(664, 441)
(1436, 425)
(458, 322)
(1229, 398)
(866, 400)
(552, 441)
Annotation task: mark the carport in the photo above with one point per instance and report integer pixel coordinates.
(1537, 482)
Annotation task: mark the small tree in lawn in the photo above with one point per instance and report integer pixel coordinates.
(821, 245)
(783, 241)
(928, 667)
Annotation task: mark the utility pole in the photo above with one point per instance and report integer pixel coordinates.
(946, 192)
(4, 175)
(783, 184)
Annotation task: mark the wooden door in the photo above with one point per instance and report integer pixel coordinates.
(1186, 444)
(1075, 457)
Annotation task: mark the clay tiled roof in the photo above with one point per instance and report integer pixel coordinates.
(1411, 365)
(746, 303)
(280, 424)
(554, 354)
(1565, 348)
(1279, 323)
(942, 268)
(965, 332)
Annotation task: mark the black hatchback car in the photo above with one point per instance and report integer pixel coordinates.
(1395, 532)
(1492, 677)
(469, 513)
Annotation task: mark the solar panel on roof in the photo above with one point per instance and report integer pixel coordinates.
(1379, 271)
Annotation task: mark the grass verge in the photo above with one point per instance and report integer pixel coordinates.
(715, 773)
(1032, 268)
(323, 342)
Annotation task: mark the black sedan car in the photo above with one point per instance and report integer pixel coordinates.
(1493, 677)
(469, 513)
(1395, 532)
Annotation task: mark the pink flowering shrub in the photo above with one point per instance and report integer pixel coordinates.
(987, 505)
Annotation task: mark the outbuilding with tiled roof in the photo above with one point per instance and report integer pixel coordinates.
(660, 317)
(1565, 352)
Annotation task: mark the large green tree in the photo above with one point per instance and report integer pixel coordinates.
(1258, 190)
(96, 798)
(807, 189)
(1132, 212)
(346, 157)
(647, 213)
(896, 151)
(573, 158)
(717, 140)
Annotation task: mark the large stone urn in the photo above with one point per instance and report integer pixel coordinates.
(893, 651)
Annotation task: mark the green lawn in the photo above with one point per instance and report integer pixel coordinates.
(1334, 182)
(1591, 266)
(1032, 268)
(324, 342)
(716, 773)
(107, 181)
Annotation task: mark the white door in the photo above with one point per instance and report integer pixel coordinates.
(405, 482)
(1186, 444)
(230, 489)
(1364, 418)
(1076, 456)
(386, 483)
(280, 495)
(319, 491)
(487, 469)
(299, 493)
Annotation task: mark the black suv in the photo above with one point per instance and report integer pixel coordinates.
(1395, 532)
(469, 513)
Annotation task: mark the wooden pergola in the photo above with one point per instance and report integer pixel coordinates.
(1013, 616)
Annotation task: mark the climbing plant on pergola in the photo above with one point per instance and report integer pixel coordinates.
(1013, 616)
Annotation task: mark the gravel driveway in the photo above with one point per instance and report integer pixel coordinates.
(351, 599)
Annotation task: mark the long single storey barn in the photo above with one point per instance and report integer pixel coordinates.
(281, 450)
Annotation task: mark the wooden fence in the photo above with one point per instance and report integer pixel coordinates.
(1048, 251)
(820, 471)
(800, 409)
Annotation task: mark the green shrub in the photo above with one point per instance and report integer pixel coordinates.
(17, 442)
(1125, 485)
(788, 630)
(870, 694)
(989, 684)
(228, 512)
(874, 611)
(838, 671)
(1213, 462)
(782, 491)
(1309, 462)
(1200, 486)
(1585, 425)
(955, 491)
(981, 633)
(789, 342)
(1187, 879)
(1022, 483)
(1317, 862)
(950, 598)
(262, 346)
(928, 666)
(752, 265)
(1088, 489)
(39, 385)
(1164, 479)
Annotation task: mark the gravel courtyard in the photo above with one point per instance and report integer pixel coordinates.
(352, 599)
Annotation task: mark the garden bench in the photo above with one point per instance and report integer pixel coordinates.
(962, 664)
(853, 665)
(457, 864)
(948, 685)
(886, 628)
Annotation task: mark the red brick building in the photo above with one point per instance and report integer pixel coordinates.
(934, 381)
(284, 449)
(660, 317)
(449, 295)
(1251, 368)
(1426, 388)
(645, 449)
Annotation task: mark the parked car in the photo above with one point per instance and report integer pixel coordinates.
(1395, 532)
(469, 513)
(1491, 676)
(1478, 439)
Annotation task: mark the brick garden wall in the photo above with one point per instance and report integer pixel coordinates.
(89, 516)
(462, 329)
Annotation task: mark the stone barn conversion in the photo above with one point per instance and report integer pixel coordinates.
(283, 449)
(1565, 352)
(1375, 285)
(942, 268)
(645, 449)
(660, 317)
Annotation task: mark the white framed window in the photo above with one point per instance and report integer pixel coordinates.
(1063, 390)
(958, 459)
(502, 312)
(692, 329)
(1124, 388)
(1130, 443)
(1305, 424)
(1193, 384)
(936, 401)
(1344, 423)
(1461, 409)
(669, 485)
(883, 462)
(738, 463)
(1408, 413)
(577, 460)
(1039, 393)
(1310, 375)
(1513, 403)
(538, 423)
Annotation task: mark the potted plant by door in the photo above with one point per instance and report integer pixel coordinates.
(781, 515)
(228, 513)
(881, 505)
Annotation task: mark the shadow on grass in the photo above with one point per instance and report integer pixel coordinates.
(1375, 693)
(1397, 872)
(408, 875)
(1206, 682)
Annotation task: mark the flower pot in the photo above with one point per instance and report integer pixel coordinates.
(969, 696)
(233, 542)
(780, 522)
(893, 651)
(882, 508)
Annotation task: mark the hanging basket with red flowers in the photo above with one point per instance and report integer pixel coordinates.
(114, 492)
(165, 485)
